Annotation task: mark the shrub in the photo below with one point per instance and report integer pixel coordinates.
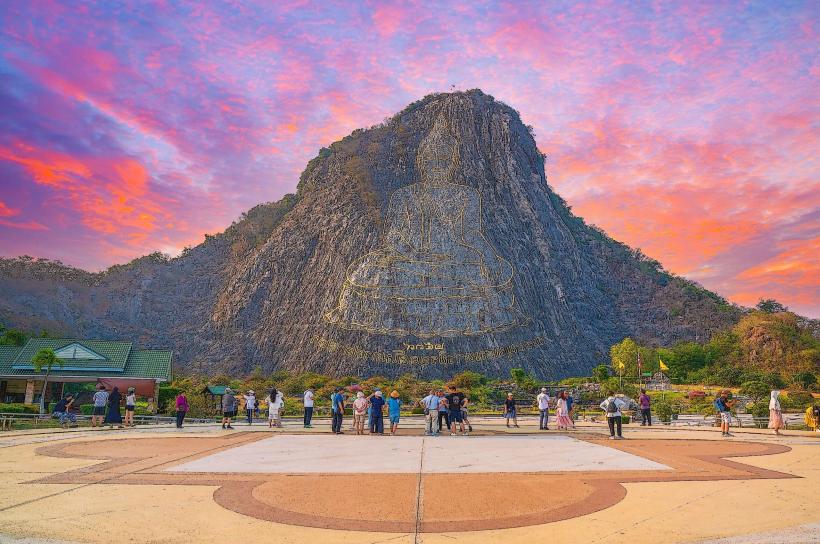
(166, 396)
(756, 390)
(19, 408)
(760, 410)
(664, 411)
(86, 409)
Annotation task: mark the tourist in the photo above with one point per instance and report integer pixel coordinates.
(228, 408)
(646, 415)
(394, 411)
(612, 406)
(338, 408)
(114, 417)
(443, 411)
(359, 412)
(182, 408)
(562, 419)
(307, 399)
(570, 407)
(275, 402)
(775, 413)
(63, 411)
(510, 412)
(371, 421)
(130, 406)
(376, 417)
(812, 418)
(464, 419)
(455, 399)
(250, 405)
(543, 400)
(100, 401)
(430, 406)
(724, 407)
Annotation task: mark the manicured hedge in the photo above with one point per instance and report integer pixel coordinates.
(19, 408)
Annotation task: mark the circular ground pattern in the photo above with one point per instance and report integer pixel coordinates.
(416, 498)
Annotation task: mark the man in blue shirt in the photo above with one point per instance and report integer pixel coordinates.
(338, 407)
(394, 411)
(376, 417)
(724, 407)
(430, 404)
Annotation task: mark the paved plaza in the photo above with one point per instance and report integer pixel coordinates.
(203, 484)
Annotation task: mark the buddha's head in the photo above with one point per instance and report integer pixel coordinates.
(437, 156)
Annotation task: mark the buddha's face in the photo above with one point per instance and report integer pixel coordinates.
(436, 159)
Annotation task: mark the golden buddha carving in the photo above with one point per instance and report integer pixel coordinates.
(436, 275)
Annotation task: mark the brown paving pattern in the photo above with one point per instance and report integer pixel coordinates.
(407, 502)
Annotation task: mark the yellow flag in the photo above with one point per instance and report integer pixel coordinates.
(663, 366)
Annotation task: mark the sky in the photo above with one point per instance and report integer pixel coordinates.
(686, 129)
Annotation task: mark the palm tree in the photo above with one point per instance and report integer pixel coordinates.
(45, 358)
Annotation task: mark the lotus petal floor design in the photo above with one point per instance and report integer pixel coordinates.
(412, 454)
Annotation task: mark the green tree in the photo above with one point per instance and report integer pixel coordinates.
(770, 306)
(805, 380)
(600, 373)
(45, 358)
(624, 353)
(12, 337)
(755, 390)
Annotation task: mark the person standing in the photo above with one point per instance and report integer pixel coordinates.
(228, 408)
(455, 399)
(376, 416)
(443, 411)
(646, 415)
(430, 405)
(543, 400)
(100, 402)
(308, 402)
(510, 412)
(612, 406)
(275, 402)
(570, 407)
(562, 420)
(775, 413)
(182, 408)
(130, 406)
(114, 417)
(394, 411)
(338, 408)
(724, 408)
(359, 412)
(250, 405)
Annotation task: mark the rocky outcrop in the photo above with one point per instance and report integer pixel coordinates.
(259, 294)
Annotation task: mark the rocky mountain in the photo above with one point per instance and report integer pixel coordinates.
(428, 244)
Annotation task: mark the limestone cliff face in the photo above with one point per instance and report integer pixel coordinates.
(259, 294)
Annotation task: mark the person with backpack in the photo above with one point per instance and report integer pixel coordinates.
(250, 405)
(443, 411)
(724, 407)
(612, 406)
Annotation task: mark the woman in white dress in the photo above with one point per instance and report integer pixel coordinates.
(275, 402)
(562, 419)
(775, 413)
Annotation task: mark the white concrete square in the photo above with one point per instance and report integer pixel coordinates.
(299, 454)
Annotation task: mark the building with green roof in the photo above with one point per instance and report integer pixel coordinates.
(112, 363)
